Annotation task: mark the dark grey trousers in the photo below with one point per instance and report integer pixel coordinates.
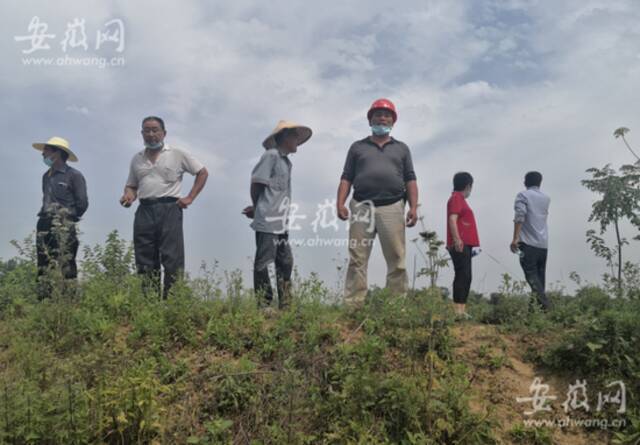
(158, 241)
(534, 265)
(56, 241)
(272, 267)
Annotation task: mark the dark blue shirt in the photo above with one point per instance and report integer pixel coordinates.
(64, 188)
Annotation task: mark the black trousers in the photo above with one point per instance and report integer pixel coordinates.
(158, 241)
(272, 267)
(56, 243)
(534, 264)
(462, 278)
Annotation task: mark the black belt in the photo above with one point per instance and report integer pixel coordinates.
(152, 201)
(380, 202)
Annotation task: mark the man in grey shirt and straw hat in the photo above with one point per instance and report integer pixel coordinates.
(64, 201)
(271, 201)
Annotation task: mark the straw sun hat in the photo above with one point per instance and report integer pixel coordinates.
(58, 142)
(304, 133)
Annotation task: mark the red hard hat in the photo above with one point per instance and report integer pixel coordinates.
(383, 104)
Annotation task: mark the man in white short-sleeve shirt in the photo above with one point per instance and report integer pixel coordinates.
(155, 176)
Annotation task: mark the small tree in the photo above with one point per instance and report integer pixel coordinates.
(434, 259)
(620, 200)
(619, 133)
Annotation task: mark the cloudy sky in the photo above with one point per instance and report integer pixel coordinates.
(496, 88)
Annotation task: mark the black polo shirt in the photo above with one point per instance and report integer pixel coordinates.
(379, 174)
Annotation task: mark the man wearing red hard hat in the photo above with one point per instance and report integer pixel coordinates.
(380, 170)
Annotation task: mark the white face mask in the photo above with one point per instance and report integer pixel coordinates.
(156, 146)
(380, 130)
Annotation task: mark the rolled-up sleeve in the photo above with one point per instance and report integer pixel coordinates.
(520, 208)
(349, 171)
(190, 164)
(409, 172)
(80, 194)
(261, 173)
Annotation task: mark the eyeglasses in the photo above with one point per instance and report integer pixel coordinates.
(151, 130)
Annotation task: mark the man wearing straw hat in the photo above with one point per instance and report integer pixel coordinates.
(381, 171)
(155, 176)
(271, 198)
(64, 201)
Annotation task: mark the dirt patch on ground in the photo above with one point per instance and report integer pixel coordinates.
(499, 374)
(351, 334)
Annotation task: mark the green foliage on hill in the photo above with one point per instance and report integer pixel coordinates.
(103, 363)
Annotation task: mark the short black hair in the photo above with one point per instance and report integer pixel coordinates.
(154, 118)
(461, 180)
(282, 134)
(533, 179)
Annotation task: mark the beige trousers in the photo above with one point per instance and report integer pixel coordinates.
(365, 222)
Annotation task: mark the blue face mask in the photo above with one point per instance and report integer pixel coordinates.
(380, 130)
(47, 161)
(155, 146)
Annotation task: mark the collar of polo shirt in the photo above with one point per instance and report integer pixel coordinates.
(165, 146)
(143, 153)
(62, 169)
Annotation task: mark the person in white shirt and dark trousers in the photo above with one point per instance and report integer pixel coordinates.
(531, 235)
(155, 178)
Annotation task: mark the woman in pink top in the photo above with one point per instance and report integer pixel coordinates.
(462, 236)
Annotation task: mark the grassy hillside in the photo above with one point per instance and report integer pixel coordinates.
(105, 364)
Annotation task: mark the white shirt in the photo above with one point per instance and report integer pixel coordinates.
(164, 178)
(531, 209)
